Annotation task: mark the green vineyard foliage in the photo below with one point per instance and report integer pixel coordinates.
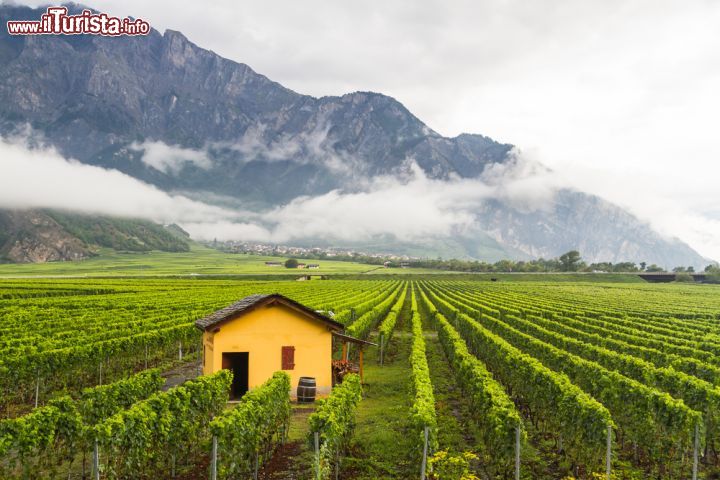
(247, 434)
(334, 421)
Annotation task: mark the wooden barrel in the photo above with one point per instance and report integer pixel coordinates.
(306, 390)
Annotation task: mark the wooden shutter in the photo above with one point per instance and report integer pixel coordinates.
(288, 358)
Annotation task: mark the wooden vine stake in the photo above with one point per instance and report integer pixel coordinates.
(337, 462)
(517, 452)
(317, 456)
(423, 466)
(213, 460)
(695, 452)
(257, 462)
(37, 389)
(382, 348)
(608, 453)
(96, 461)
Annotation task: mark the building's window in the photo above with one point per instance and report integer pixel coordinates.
(288, 358)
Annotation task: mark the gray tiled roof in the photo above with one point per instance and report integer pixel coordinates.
(251, 301)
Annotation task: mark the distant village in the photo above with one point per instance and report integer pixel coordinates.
(271, 250)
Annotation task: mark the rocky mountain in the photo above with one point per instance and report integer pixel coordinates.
(577, 221)
(184, 119)
(32, 236)
(118, 93)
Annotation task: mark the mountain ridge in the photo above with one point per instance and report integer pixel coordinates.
(169, 113)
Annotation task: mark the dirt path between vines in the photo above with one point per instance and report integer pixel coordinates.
(293, 460)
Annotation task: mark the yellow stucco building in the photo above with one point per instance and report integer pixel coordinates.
(262, 334)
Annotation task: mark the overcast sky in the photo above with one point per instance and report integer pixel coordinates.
(619, 96)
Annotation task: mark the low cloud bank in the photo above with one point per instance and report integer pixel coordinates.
(253, 145)
(32, 177)
(415, 208)
(307, 147)
(412, 208)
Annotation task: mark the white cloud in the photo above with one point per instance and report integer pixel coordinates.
(42, 178)
(305, 147)
(412, 208)
(523, 183)
(253, 145)
(416, 208)
(170, 159)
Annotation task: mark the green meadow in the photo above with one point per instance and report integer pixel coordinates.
(198, 261)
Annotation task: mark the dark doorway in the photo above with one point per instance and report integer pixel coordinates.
(237, 362)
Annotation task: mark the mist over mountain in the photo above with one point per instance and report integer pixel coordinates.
(358, 170)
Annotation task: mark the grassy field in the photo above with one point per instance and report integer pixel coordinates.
(198, 261)
(382, 445)
(202, 261)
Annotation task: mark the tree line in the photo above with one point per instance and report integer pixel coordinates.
(568, 262)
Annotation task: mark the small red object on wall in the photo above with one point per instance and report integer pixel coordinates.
(288, 358)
